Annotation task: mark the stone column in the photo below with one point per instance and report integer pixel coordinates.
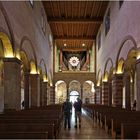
(61, 60)
(44, 93)
(12, 83)
(34, 90)
(110, 92)
(98, 95)
(41, 92)
(68, 91)
(52, 94)
(48, 94)
(81, 92)
(105, 93)
(117, 89)
(138, 84)
(127, 91)
(26, 90)
(1, 87)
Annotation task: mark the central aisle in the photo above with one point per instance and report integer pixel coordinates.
(88, 130)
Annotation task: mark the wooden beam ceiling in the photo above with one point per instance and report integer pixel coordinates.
(75, 38)
(76, 20)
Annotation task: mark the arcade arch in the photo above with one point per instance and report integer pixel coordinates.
(60, 91)
(88, 92)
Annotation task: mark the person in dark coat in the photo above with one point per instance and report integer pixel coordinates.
(78, 110)
(67, 107)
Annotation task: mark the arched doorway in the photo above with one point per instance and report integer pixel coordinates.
(73, 96)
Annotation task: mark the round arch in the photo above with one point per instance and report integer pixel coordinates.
(60, 91)
(108, 64)
(9, 26)
(25, 61)
(43, 68)
(33, 69)
(7, 46)
(128, 42)
(88, 92)
(74, 85)
(120, 67)
(99, 78)
(27, 46)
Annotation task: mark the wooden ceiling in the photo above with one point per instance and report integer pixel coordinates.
(75, 22)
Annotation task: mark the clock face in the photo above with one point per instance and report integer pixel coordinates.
(74, 61)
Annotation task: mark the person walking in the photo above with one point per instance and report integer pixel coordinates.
(78, 106)
(67, 107)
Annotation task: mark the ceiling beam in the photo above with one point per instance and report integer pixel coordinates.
(74, 50)
(92, 38)
(76, 20)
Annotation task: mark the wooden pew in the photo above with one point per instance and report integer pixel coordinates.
(23, 135)
(127, 117)
(28, 127)
(43, 121)
(138, 134)
(51, 115)
(129, 130)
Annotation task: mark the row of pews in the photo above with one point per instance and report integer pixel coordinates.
(34, 123)
(118, 122)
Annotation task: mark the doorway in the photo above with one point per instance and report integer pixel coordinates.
(73, 96)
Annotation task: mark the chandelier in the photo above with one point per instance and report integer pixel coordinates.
(74, 61)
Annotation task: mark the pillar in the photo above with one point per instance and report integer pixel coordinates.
(105, 93)
(48, 94)
(81, 92)
(110, 92)
(117, 89)
(41, 92)
(98, 96)
(44, 93)
(138, 84)
(52, 94)
(68, 96)
(26, 90)
(127, 91)
(34, 96)
(61, 60)
(12, 83)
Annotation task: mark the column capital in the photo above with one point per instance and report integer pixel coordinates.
(45, 82)
(105, 82)
(117, 76)
(35, 74)
(13, 59)
(126, 75)
(137, 61)
(97, 87)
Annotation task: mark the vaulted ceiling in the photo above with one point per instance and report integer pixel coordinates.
(75, 24)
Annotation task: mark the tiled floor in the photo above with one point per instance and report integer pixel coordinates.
(88, 130)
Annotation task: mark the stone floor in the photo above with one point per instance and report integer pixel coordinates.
(88, 130)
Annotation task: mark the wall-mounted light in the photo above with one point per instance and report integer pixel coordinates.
(9, 55)
(105, 79)
(33, 69)
(45, 79)
(98, 84)
(138, 56)
(119, 71)
(83, 44)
